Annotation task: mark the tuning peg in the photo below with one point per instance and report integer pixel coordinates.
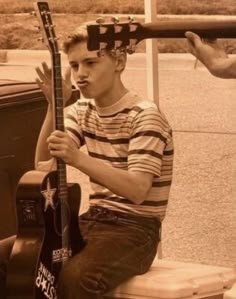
(115, 20)
(131, 49)
(117, 27)
(45, 12)
(53, 38)
(37, 27)
(102, 48)
(101, 53)
(100, 20)
(132, 46)
(115, 52)
(130, 19)
(33, 13)
(49, 26)
(41, 39)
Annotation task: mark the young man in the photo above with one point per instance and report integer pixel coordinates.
(129, 163)
(212, 56)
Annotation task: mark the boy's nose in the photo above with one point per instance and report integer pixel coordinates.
(81, 73)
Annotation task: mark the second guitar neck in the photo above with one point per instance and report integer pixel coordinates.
(210, 29)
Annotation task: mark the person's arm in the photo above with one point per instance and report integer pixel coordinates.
(133, 185)
(212, 56)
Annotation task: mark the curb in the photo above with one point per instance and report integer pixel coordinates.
(35, 57)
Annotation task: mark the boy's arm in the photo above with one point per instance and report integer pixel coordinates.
(42, 153)
(44, 81)
(133, 185)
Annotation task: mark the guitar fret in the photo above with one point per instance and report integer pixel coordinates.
(63, 188)
(63, 184)
(63, 193)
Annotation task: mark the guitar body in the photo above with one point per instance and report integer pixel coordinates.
(38, 253)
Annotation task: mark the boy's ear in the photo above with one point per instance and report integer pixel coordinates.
(121, 61)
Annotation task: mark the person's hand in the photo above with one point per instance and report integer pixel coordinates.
(44, 81)
(62, 146)
(204, 49)
(212, 56)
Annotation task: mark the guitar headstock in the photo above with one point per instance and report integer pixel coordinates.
(43, 13)
(114, 35)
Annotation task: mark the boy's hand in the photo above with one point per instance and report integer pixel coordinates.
(44, 81)
(62, 146)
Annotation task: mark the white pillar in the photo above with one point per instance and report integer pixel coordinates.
(151, 53)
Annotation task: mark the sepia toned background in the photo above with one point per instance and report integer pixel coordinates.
(200, 225)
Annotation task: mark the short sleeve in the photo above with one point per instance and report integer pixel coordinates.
(149, 137)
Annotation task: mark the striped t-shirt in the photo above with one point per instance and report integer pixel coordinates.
(131, 134)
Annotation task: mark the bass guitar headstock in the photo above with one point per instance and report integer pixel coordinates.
(114, 35)
(43, 14)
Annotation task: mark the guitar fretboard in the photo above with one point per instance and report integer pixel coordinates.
(61, 166)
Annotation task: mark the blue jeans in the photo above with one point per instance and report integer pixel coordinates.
(118, 246)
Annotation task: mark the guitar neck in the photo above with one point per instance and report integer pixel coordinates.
(59, 115)
(57, 89)
(126, 34)
(210, 29)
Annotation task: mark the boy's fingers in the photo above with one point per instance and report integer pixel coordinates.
(45, 73)
(58, 133)
(46, 69)
(40, 83)
(40, 73)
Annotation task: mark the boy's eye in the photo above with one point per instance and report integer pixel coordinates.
(74, 66)
(91, 62)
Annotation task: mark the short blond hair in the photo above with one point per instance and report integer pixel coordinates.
(79, 35)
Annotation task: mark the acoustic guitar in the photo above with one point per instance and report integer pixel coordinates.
(127, 34)
(47, 207)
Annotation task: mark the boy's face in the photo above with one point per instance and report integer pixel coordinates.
(94, 75)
